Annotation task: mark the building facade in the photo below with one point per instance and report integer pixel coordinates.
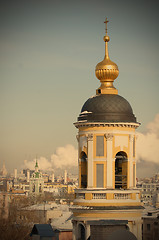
(148, 192)
(107, 197)
(151, 225)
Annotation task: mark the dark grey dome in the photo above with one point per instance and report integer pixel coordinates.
(107, 108)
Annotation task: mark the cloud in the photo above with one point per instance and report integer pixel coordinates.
(148, 143)
(153, 127)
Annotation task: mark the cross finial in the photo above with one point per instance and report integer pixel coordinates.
(106, 21)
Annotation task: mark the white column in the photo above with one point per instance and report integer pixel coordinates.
(109, 138)
(77, 137)
(28, 175)
(131, 138)
(53, 177)
(90, 161)
(65, 177)
(15, 173)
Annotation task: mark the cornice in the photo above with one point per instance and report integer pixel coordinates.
(101, 124)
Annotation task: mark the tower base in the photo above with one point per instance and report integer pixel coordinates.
(102, 222)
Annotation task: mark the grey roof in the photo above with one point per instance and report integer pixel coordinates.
(43, 230)
(107, 108)
(88, 208)
(64, 222)
(107, 222)
(122, 234)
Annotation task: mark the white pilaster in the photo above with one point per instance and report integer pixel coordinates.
(77, 137)
(109, 138)
(90, 161)
(131, 138)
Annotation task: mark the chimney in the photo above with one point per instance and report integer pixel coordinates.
(28, 175)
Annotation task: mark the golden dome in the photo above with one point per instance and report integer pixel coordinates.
(106, 71)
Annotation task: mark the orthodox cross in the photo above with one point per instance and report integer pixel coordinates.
(106, 21)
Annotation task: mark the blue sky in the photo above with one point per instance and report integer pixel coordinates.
(48, 53)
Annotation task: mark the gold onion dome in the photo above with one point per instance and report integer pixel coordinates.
(106, 71)
(106, 106)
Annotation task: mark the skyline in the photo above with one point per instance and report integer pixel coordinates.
(48, 56)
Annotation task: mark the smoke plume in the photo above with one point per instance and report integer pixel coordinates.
(43, 164)
(63, 158)
(147, 154)
(148, 143)
(148, 150)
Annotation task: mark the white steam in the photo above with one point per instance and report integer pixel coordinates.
(43, 164)
(67, 157)
(148, 143)
(63, 158)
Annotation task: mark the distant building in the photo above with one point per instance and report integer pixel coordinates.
(151, 225)
(65, 177)
(155, 198)
(3, 171)
(39, 213)
(36, 184)
(63, 226)
(15, 173)
(147, 192)
(4, 205)
(42, 232)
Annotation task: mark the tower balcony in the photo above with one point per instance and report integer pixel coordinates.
(105, 197)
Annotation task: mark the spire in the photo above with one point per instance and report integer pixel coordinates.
(36, 165)
(106, 71)
(106, 40)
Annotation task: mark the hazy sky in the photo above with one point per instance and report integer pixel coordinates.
(48, 53)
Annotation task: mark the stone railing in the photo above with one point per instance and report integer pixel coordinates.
(106, 195)
(122, 196)
(99, 196)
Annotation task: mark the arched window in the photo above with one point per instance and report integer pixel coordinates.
(121, 164)
(83, 167)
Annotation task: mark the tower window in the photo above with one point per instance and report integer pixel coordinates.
(121, 170)
(99, 146)
(83, 170)
(100, 175)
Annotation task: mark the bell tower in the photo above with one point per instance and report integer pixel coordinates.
(107, 199)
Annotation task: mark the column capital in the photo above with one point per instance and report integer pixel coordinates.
(90, 137)
(109, 136)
